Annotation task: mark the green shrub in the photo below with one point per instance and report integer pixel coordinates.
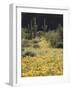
(36, 46)
(59, 45)
(55, 37)
(40, 33)
(36, 40)
(28, 53)
(26, 33)
(26, 43)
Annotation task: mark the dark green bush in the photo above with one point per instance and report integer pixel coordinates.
(59, 45)
(36, 40)
(36, 46)
(40, 33)
(29, 53)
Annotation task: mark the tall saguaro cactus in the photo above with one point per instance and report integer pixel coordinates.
(31, 28)
(31, 25)
(34, 27)
(45, 26)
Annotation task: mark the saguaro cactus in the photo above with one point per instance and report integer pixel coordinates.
(45, 26)
(34, 27)
(31, 28)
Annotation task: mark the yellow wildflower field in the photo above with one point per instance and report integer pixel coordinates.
(48, 62)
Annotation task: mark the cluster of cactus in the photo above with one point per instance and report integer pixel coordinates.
(34, 27)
